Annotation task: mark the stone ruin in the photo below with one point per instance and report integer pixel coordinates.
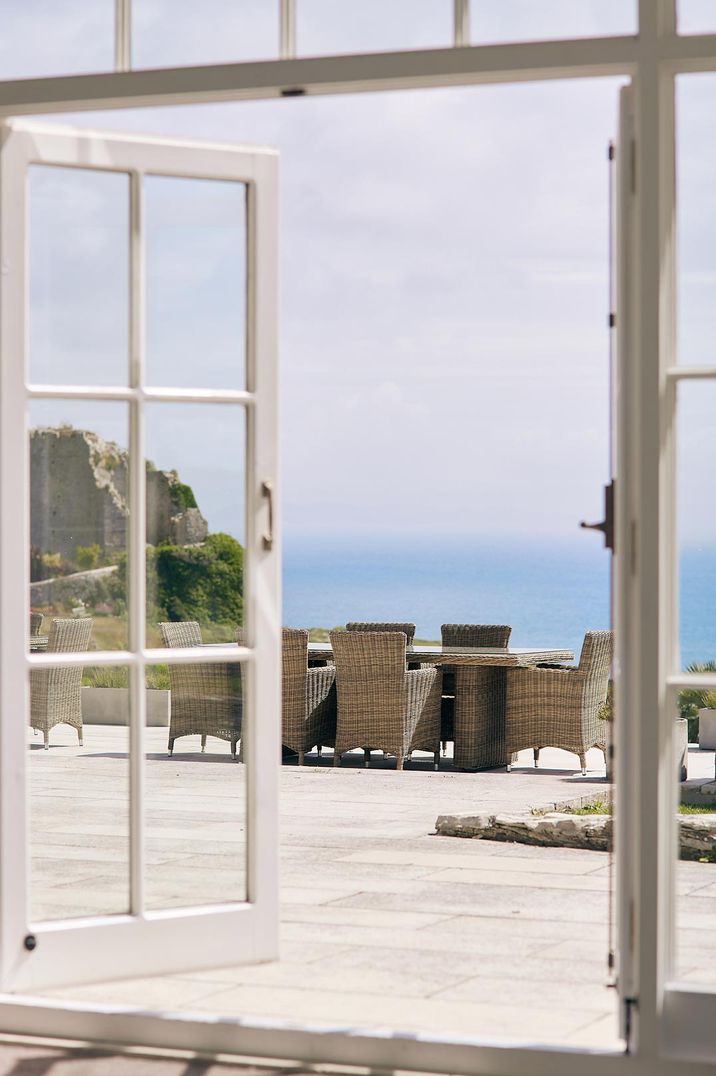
(79, 496)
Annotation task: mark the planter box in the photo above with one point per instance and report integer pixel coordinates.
(707, 730)
(110, 706)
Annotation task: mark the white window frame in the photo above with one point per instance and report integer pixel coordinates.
(670, 1023)
(138, 943)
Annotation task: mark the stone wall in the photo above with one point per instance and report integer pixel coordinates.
(79, 496)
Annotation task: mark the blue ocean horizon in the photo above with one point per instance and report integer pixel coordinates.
(550, 592)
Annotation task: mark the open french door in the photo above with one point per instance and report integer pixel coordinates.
(138, 354)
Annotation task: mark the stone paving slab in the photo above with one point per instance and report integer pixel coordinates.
(384, 924)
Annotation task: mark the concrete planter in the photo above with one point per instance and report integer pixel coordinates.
(110, 706)
(707, 730)
(681, 746)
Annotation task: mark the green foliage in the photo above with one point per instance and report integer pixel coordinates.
(183, 496)
(693, 699)
(606, 710)
(88, 557)
(203, 582)
(48, 565)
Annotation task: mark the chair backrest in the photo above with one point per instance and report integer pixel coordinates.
(35, 623)
(180, 634)
(371, 684)
(497, 635)
(68, 635)
(596, 657)
(408, 630)
(294, 670)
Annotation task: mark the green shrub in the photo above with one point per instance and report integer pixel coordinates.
(88, 557)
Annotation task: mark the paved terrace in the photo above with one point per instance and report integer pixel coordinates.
(383, 923)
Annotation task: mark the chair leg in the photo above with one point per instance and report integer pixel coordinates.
(170, 748)
(233, 749)
(47, 739)
(399, 762)
(79, 737)
(583, 764)
(203, 743)
(366, 753)
(436, 760)
(535, 751)
(336, 758)
(444, 747)
(319, 749)
(301, 757)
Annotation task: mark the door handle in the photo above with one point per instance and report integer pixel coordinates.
(607, 524)
(267, 492)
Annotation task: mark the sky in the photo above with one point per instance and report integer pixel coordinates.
(444, 279)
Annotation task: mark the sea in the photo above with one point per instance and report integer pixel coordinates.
(551, 592)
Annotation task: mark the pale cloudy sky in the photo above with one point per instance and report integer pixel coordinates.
(444, 284)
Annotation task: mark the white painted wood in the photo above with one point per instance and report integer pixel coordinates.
(141, 942)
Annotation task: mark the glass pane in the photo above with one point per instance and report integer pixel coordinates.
(695, 709)
(167, 33)
(196, 518)
(696, 208)
(494, 21)
(322, 26)
(79, 276)
(79, 518)
(79, 784)
(196, 799)
(196, 282)
(697, 16)
(42, 37)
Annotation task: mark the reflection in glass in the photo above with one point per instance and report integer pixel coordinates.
(196, 527)
(78, 778)
(196, 801)
(494, 21)
(322, 26)
(79, 276)
(79, 517)
(196, 282)
(168, 33)
(696, 208)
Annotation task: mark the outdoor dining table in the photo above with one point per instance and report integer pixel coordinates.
(494, 656)
(479, 703)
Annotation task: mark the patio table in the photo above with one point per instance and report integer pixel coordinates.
(436, 654)
(480, 697)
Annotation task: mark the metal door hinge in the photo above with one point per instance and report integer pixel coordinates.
(612, 320)
(611, 153)
(606, 526)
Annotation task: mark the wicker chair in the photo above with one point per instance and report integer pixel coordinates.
(56, 694)
(308, 698)
(408, 630)
(559, 707)
(206, 699)
(383, 705)
(473, 705)
(36, 623)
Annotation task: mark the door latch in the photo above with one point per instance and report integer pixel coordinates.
(607, 524)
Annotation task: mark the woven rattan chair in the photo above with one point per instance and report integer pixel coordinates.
(56, 694)
(473, 705)
(36, 623)
(382, 705)
(408, 630)
(559, 707)
(308, 698)
(206, 700)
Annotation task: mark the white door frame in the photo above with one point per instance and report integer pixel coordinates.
(670, 1021)
(40, 955)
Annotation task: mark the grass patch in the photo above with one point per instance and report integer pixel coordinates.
(690, 808)
(598, 807)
